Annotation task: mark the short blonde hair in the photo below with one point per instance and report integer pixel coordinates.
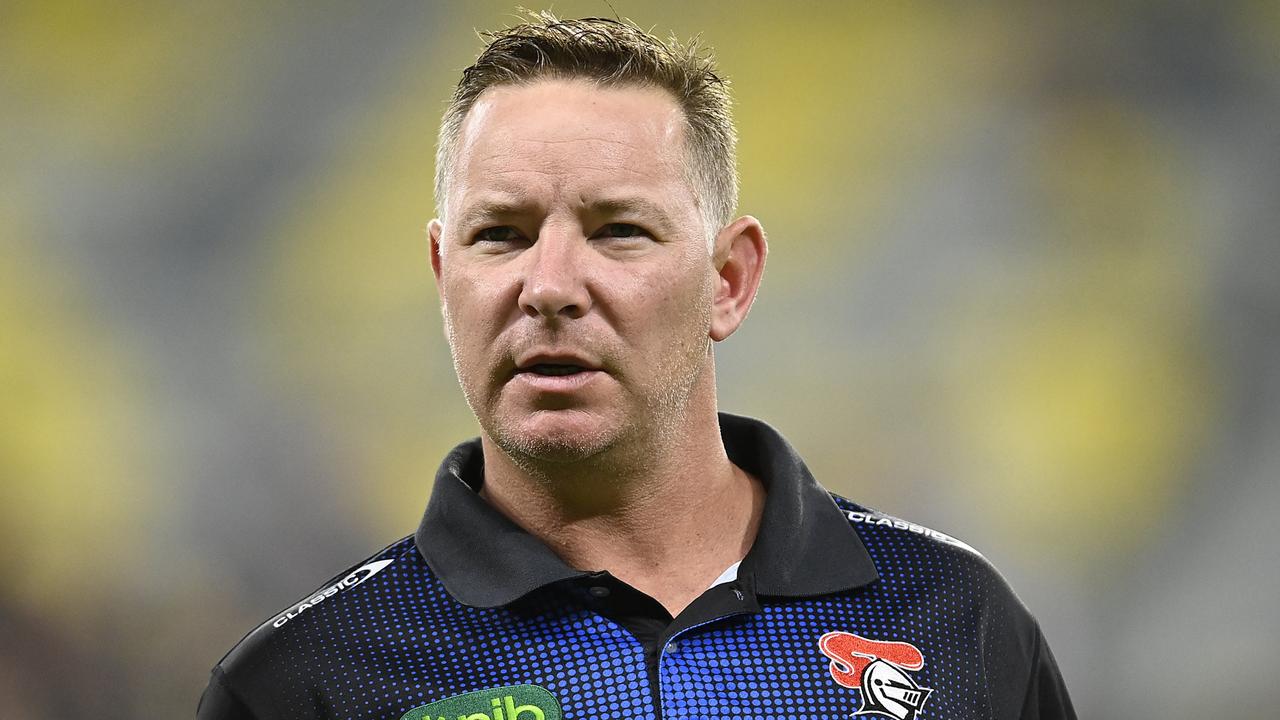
(611, 53)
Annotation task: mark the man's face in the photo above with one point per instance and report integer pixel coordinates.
(574, 269)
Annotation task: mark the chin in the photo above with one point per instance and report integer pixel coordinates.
(558, 439)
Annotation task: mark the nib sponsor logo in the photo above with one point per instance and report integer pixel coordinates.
(514, 702)
(357, 576)
(877, 669)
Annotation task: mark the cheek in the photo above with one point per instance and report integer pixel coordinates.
(466, 325)
(471, 301)
(673, 306)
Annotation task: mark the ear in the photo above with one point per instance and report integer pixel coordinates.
(434, 231)
(739, 257)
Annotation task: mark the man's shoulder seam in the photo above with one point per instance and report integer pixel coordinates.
(219, 677)
(355, 575)
(871, 520)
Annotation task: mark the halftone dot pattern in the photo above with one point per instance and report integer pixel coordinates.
(398, 640)
(932, 594)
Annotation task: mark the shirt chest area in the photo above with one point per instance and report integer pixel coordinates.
(815, 658)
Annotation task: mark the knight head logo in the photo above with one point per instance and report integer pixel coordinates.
(889, 691)
(877, 669)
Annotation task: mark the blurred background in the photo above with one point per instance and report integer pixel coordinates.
(1024, 288)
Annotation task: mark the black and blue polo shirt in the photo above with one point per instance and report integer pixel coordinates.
(836, 610)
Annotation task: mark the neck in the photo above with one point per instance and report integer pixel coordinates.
(667, 518)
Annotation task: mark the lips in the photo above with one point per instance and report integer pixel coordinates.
(555, 372)
(554, 369)
(554, 364)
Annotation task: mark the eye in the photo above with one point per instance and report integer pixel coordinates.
(499, 234)
(621, 230)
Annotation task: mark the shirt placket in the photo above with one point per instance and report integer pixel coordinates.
(677, 699)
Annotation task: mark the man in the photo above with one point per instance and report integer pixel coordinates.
(610, 546)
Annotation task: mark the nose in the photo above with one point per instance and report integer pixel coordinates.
(554, 280)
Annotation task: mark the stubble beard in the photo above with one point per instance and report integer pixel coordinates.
(617, 445)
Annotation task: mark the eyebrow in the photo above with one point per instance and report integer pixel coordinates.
(491, 210)
(631, 204)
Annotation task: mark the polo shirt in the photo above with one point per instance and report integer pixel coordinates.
(837, 609)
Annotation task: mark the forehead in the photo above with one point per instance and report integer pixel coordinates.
(565, 135)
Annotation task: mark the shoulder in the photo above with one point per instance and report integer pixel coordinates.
(901, 548)
(346, 605)
(909, 556)
(948, 580)
(876, 524)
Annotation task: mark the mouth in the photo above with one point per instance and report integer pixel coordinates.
(553, 369)
(555, 372)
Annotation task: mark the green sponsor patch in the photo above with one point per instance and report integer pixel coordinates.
(513, 702)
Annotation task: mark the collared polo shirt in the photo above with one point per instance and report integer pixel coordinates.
(837, 609)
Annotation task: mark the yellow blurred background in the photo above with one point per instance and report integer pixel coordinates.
(1023, 288)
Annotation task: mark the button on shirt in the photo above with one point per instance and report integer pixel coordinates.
(836, 609)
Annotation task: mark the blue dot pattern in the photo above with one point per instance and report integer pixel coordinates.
(933, 593)
(397, 641)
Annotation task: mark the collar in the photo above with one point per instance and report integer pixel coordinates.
(805, 546)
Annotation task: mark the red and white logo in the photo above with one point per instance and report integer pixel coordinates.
(877, 669)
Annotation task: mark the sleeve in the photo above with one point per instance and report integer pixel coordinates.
(1046, 697)
(219, 702)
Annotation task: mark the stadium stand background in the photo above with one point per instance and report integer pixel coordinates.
(1024, 289)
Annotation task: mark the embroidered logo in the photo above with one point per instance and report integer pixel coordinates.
(513, 702)
(877, 669)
